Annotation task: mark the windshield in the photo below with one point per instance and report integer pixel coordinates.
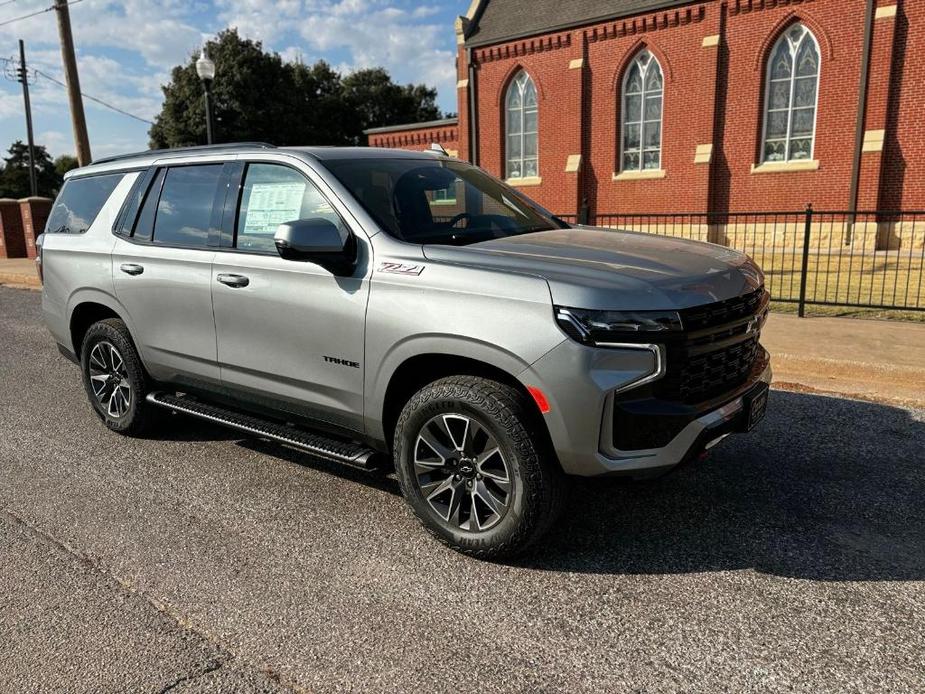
(434, 201)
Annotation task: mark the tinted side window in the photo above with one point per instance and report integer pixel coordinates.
(274, 194)
(79, 202)
(185, 206)
(144, 227)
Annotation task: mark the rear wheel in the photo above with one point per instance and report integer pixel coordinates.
(114, 378)
(474, 466)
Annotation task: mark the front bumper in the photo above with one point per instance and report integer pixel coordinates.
(585, 384)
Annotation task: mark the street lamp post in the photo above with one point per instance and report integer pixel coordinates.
(205, 68)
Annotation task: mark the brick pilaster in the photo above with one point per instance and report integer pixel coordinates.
(12, 243)
(876, 113)
(34, 213)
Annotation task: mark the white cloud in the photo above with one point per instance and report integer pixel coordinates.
(161, 33)
(11, 105)
(55, 141)
(371, 32)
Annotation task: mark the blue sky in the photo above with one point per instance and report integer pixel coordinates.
(125, 51)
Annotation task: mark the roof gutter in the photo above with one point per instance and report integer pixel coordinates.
(862, 107)
(473, 108)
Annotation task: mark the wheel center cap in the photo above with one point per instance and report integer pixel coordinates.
(466, 468)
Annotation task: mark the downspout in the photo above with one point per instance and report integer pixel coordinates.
(859, 126)
(473, 109)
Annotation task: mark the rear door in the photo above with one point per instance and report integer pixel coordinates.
(162, 271)
(290, 334)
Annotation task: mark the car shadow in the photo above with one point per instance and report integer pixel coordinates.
(376, 479)
(180, 427)
(824, 489)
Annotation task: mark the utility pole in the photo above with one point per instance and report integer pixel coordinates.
(24, 78)
(73, 83)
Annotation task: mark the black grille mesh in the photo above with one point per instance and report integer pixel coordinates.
(721, 312)
(694, 372)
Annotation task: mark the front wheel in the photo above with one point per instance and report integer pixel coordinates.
(475, 468)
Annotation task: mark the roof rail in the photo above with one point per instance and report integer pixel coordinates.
(183, 150)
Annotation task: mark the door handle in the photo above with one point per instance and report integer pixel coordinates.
(132, 268)
(234, 281)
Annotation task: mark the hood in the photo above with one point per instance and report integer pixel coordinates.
(595, 268)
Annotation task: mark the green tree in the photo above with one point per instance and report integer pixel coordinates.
(65, 163)
(257, 96)
(374, 100)
(14, 175)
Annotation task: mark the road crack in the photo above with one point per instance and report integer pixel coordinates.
(223, 656)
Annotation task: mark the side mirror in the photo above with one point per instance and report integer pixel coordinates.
(319, 241)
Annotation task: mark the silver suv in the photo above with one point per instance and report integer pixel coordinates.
(379, 307)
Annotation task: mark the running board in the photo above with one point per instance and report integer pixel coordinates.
(349, 453)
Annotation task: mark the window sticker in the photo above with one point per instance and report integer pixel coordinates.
(271, 204)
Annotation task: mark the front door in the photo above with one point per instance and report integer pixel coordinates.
(290, 334)
(162, 274)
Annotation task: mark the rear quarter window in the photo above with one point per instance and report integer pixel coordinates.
(79, 202)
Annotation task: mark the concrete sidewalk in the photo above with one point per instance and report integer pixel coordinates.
(19, 272)
(876, 360)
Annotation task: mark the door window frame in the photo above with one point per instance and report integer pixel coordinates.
(232, 207)
(127, 220)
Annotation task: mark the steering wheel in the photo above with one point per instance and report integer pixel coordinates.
(458, 218)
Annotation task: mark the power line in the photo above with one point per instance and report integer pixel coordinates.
(94, 98)
(7, 2)
(34, 14)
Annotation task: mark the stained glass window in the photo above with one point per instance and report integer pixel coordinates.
(641, 142)
(521, 155)
(791, 97)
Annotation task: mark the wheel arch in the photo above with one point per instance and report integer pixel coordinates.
(418, 370)
(89, 307)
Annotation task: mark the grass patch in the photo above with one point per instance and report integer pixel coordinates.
(887, 278)
(850, 312)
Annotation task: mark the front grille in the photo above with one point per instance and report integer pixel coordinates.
(716, 353)
(706, 376)
(722, 312)
(717, 350)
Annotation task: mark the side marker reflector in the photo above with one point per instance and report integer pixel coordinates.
(539, 398)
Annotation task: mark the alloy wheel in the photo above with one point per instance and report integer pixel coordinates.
(461, 472)
(109, 379)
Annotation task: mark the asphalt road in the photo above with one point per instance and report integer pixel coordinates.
(792, 560)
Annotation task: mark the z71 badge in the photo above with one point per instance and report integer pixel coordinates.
(400, 268)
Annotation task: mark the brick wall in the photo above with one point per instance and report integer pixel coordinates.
(416, 138)
(713, 55)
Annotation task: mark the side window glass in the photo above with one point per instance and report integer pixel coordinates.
(184, 209)
(79, 202)
(144, 226)
(272, 195)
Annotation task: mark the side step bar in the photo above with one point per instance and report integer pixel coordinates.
(349, 453)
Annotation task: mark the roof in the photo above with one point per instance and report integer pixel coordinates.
(143, 159)
(329, 153)
(443, 122)
(502, 20)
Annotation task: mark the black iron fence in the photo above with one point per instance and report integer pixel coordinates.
(850, 259)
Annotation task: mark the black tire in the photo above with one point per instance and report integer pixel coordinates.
(127, 414)
(536, 490)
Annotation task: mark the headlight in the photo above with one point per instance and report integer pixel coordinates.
(599, 327)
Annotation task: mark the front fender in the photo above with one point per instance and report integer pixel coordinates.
(431, 344)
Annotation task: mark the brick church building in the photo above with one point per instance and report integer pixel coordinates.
(665, 106)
